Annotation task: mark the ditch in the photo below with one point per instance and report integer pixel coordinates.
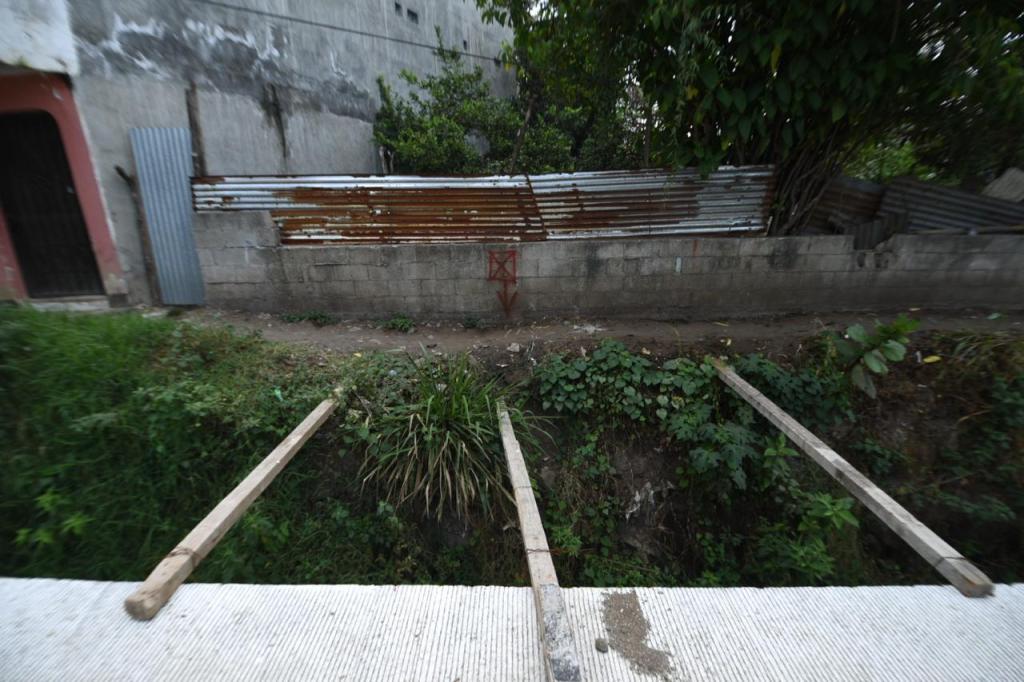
(123, 431)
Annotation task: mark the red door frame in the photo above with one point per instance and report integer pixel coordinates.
(37, 91)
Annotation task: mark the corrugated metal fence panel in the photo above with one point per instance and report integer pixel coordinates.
(847, 201)
(1009, 186)
(354, 209)
(163, 161)
(933, 207)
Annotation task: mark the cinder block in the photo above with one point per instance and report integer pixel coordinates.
(631, 266)
(218, 274)
(1006, 244)
(718, 246)
(244, 256)
(823, 245)
(641, 248)
(609, 250)
(330, 255)
(657, 266)
(756, 246)
(464, 265)
(346, 272)
(377, 273)
(417, 270)
(431, 253)
(831, 263)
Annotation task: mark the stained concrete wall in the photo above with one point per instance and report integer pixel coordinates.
(36, 34)
(266, 86)
(666, 278)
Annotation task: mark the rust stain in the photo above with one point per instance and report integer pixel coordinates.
(346, 209)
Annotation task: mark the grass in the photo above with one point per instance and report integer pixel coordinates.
(318, 318)
(120, 433)
(438, 445)
(400, 323)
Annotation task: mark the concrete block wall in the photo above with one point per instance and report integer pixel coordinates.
(663, 278)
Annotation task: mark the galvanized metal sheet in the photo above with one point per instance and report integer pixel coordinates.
(70, 630)
(930, 207)
(847, 202)
(1009, 186)
(163, 161)
(360, 209)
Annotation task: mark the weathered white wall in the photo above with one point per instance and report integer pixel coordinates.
(277, 87)
(36, 34)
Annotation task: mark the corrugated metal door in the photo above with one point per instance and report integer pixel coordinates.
(163, 161)
(38, 198)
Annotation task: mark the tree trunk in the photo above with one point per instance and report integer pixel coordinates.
(519, 137)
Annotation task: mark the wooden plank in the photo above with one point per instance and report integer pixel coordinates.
(158, 588)
(936, 551)
(559, 644)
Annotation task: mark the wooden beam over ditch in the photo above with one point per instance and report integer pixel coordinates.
(560, 654)
(158, 588)
(936, 551)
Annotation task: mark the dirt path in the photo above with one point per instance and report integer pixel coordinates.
(761, 335)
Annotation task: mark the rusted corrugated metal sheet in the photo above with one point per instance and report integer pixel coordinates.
(929, 207)
(355, 209)
(847, 201)
(1009, 186)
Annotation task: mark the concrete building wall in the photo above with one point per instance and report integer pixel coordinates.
(670, 278)
(36, 34)
(266, 86)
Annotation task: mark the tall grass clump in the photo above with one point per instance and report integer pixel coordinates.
(435, 443)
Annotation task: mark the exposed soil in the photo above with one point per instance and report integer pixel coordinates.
(770, 335)
(627, 634)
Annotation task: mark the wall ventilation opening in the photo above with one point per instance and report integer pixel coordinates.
(398, 8)
(413, 16)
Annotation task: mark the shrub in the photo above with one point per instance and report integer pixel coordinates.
(317, 317)
(436, 444)
(121, 432)
(863, 354)
(400, 323)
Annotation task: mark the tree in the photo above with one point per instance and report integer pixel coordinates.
(800, 84)
(451, 124)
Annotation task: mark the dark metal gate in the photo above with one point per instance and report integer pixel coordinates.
(39, 202)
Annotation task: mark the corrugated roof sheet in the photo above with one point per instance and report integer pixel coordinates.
(934, 207)
(847, 201)
(1009, 186)
(359, 209)
(67, 630)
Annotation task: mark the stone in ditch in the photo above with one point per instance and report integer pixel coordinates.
(601, 645)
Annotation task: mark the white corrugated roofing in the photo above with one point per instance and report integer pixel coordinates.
(77, 630)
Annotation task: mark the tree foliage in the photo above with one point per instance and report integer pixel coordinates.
(800, 84)
(451, 123)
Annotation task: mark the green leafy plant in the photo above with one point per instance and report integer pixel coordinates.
(317, 317)
(800, 85)
(882, 461)
(450, 123)
(439, 447)
(400, 323)
(863, 354)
